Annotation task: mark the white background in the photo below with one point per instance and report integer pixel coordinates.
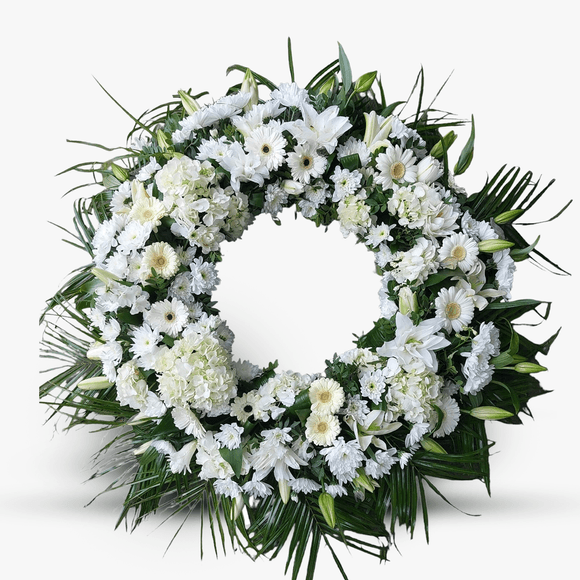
(515, 70)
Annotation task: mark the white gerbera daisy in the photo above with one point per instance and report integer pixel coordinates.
(326, 396)
(459, 251)
(451, 413)
(454, 307)
(162, 258)
(268, 143)
(168, 316)
(322, 429)
(396, 165)
(305, 163)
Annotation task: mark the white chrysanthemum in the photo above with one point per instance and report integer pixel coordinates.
(326, 396)
(230, 435)
(336, 490)
(257, 489)
(305, 163)
(345, 182)
(382, 463)
(396, 165)
(245, 370)
(168, 316)
(459, 251)
(378, 235)
(356, 408)
(343, 459)
(373, 385)
(477, 369)
(322, 429)
(204, 277)
(304, 485)
(227, 487)
(161, 257)
(290, 95)
(268, 144)
(145, 340)
(506, 268)
(354, 146)
(455, 308)
(275, 200)
(134, 236)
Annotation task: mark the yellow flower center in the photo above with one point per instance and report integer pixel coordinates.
(459, 253)
(265, 149)
(159, 262)
(169, 316)
(306, 162)
(324, 397)
(453, 311)
(322, 427)
(397, 170)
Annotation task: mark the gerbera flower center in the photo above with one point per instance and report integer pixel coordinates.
(147, 214)
(159, 262)
(306, 162)
(322, 427)
(248, 409)
(265, 149)
(397, 170)
(169, 316)
(324, 397)
(452, 310)
(459, 253)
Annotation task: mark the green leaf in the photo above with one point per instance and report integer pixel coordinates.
(466, 156)
(345, 70)
(351, 162)
(234, 458)
(290, 60)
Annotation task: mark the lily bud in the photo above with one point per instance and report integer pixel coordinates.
(363, 481)
(448, 140)
(326, 87)
(119, 172)
(407, 301)
(529, 367)
(490, 413)
(326, 504)
(189, 103)
(284, 489)
(249, 85)
(491, 246)
(508, 216)
(365, 82)
(162, 140)
(237, 506)
(432, 446)
(95, 384)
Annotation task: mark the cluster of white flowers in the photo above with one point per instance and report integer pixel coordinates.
(156, 260)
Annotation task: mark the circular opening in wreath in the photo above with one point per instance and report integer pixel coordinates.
(296, 293)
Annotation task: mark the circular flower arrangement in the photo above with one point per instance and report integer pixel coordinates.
(277, 455)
